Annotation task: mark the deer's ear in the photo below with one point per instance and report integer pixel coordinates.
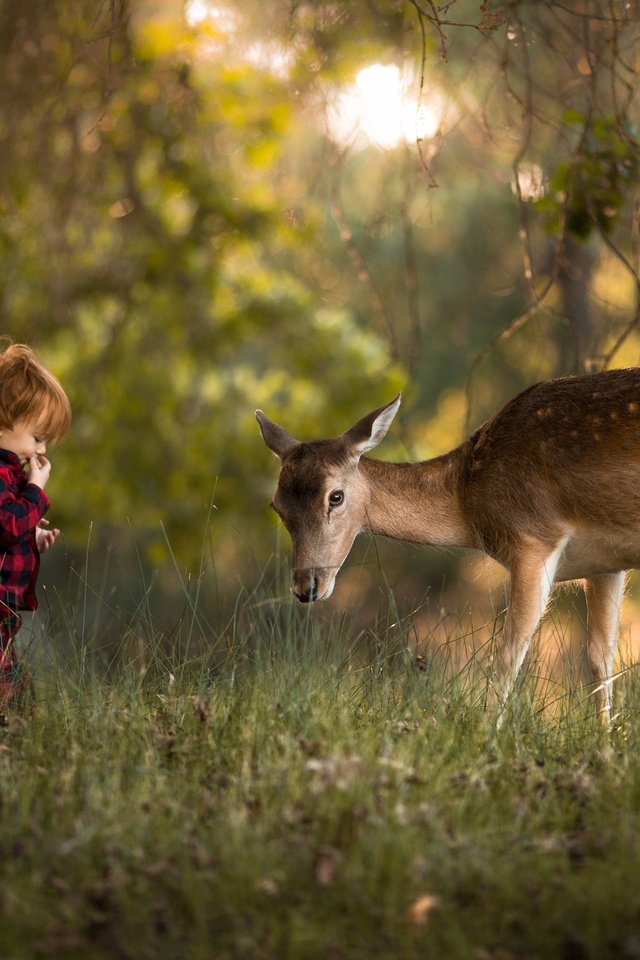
(276, 438)
(368, 432)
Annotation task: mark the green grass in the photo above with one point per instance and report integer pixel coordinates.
(296, 791)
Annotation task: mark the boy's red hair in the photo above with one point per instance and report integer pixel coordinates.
(29, 392)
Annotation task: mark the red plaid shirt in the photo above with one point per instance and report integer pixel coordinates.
(22, 505)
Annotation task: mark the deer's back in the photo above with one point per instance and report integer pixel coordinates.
(562, 453)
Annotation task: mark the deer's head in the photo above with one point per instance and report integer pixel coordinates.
(322, 496)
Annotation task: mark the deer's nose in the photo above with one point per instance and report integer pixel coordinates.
(305, 586)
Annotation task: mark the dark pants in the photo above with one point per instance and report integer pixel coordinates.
(9, 626)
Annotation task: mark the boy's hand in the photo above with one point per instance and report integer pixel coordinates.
(39, 470)
(45, 539)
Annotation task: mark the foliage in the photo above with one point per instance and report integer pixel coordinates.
(185, 239)
(591, 191)
(141, 263)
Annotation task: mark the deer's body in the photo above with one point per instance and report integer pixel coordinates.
(549, 487)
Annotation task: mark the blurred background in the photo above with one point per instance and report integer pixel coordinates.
(208, 207)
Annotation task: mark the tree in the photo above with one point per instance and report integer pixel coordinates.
(184, 238)
(137, 223)
(547, 111)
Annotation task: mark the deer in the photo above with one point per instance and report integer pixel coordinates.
(549, 487)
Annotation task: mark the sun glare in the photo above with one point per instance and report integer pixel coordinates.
(200, 12)
(381, 108)
(531, 182)
(196, 11)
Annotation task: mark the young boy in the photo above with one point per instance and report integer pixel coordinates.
(34, 411)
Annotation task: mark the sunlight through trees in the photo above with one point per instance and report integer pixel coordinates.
(208, 207)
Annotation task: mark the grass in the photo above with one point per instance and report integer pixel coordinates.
(303, 790)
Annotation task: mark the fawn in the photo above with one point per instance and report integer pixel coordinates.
(549, 486)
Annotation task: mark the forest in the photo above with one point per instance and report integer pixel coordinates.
(308, 207)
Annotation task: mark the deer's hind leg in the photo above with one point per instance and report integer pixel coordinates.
(604, 599)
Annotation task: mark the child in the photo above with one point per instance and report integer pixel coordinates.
(34, 411)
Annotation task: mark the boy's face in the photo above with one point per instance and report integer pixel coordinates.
(24, 439)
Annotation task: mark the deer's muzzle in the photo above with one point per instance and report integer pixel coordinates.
(315, 583)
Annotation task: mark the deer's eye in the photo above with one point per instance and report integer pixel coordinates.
(336, 498)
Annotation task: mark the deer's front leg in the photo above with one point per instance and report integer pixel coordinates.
(532, 576)
(604, 599)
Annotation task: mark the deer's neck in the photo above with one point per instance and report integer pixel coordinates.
(418, 502)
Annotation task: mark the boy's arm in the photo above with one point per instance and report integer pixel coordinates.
(19, 516)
